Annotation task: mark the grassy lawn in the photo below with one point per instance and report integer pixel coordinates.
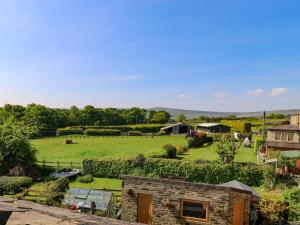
(53, 149)
(99, 183)
(209, 153)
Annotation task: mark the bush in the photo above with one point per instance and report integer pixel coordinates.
(206, 172)
(102, 132)
(135, 133)
(269, 176)
(292, 196)
(181, 149)
(68, 131)
(161, 133)
(59, 185)
(85, 179)
(13, 185)
(258, 144)
(170, 151)
(274, 209)
(197, 139)
(139, 160)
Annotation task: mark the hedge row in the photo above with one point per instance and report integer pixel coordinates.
(206, 172)
(102, 132)
(238, 125)
(13, 185)
(68, 131)
(144, 128)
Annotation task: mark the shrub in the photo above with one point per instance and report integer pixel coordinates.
(85, 179)
(161, 133)
(170, 151)
(227, 149)
(269, 176)
(139, 160)
(68, 131)
(59, 185)
(102, 132)
(197, 139)
(258, 144)
(274, 209)
(135, 133)
(181, 149)
(13, 185)
(292, 196)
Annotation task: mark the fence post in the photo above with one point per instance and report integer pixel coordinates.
(57, 164)
(71, 164)
(44, 164)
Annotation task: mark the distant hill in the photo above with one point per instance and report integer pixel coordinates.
(196, 113)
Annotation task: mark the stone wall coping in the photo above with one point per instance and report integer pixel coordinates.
(185, 183)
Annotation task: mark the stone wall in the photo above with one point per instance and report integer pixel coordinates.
(167, 195)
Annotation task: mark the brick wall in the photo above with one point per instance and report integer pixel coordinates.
(167, 195)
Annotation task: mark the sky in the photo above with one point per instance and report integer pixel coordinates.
(218, 55)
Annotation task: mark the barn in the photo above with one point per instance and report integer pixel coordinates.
(213, 128)
(178, 128)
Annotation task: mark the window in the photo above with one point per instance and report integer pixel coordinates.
(290, 136)
(194, 210)
(278, 136)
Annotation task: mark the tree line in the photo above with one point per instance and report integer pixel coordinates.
(49, 119)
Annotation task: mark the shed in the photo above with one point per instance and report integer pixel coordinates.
(83, 199)
(213, 128)
(178, 128)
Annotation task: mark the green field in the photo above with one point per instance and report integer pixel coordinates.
(54, 149)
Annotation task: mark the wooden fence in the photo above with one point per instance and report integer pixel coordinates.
(59, 164)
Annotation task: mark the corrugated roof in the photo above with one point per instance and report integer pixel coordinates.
(173, 125)
(208, 124)
(238, 185)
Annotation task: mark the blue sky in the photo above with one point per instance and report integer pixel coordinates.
(207, 55)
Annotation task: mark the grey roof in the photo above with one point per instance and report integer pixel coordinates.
(82, 198)
(209, 124)
(238, 185)
(174, 125)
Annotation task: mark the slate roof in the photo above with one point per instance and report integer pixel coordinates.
(238, 185)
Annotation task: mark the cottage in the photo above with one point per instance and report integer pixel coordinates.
(285, 137)
(213, 128)
(178, 128)
(171, 202)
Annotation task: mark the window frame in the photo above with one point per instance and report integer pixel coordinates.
(194, 219)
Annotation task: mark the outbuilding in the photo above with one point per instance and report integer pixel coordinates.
(174, 202)
(213, 128)
(178, 128)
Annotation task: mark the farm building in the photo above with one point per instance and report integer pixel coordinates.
(213, 128)
(173, 201)
(83, 198)
(178, 128)
(285, 137)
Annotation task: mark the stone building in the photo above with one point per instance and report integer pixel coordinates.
(171, 202)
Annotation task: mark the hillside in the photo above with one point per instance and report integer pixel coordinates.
(196, 113)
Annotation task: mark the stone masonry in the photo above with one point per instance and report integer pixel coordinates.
(167, 195)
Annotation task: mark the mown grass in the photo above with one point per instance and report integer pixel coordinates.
(99, 183)
(54, 149)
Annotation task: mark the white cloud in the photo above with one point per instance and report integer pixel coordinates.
(221, 94)
(184, 96)
(256, 92)
(278, 91)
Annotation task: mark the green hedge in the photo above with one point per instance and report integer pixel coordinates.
(207, 172)
(135, 133)
(102, 132)
(144, 128)
(13, 185)
(238, 125)
(68, 131)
